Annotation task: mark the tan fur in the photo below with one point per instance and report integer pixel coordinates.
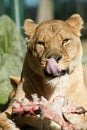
(47, 39)
(14, 81)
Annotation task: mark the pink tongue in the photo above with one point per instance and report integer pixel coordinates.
(52, 67)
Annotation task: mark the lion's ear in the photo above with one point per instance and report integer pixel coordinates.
(29, 27)
(76, 22)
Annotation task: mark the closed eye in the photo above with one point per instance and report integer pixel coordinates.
(40, 43)
(65, 41)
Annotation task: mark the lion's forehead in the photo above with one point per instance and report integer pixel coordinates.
(52, 29)
(50, 26)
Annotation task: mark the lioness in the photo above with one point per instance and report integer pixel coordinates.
(52, 67)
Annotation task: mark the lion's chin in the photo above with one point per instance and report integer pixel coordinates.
(53, 69)
(59, 74)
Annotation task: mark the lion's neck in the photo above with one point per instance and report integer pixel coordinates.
(77, 77)
(68, 84)
(34, 83)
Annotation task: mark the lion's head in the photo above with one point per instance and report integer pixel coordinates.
(55, 45)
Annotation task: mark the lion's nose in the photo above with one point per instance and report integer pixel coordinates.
(56, 57)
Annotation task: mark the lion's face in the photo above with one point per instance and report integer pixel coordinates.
(55, 45)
